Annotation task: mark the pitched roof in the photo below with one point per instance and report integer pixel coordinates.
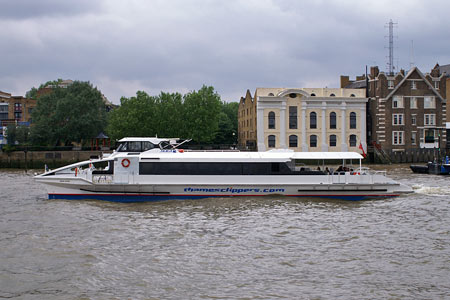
(445, 69)
(360, 84)
(406, 77)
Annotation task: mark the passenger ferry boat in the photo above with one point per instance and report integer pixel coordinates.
(153, 169)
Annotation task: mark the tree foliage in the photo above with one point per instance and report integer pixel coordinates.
(32, 93)
(228, 124)
(194, 115)
(68, 115)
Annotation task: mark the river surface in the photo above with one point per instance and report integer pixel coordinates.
(248, 248)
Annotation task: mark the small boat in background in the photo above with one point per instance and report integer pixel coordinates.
(436, 168)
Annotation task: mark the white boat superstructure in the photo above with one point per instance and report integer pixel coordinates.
(152, 169)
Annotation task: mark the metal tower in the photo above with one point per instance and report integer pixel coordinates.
(390, 63)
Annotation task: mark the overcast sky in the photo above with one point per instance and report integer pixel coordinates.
(234, 45)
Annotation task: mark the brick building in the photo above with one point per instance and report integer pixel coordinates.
(406, 110)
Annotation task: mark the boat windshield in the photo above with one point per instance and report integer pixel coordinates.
(137, 146)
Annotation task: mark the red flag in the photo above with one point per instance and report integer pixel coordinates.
(362, 148)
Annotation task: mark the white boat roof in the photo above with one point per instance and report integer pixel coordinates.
(327, 155)
(268, 156)
(153, 140)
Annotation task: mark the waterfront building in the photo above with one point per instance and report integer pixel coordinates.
(407, 110)
(19, 109)
(445, 71)
(303, 119)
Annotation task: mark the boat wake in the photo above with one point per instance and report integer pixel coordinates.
(431, 190)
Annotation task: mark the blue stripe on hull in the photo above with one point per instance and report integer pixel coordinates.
(154, 198)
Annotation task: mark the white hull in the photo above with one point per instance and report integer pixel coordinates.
(148, 188)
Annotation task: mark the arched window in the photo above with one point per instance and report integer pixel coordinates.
(271, 120)
(270, 94)
(352, 140)
(333, 120)
(332, 95)
(293, 141)
(352, 120)
(313, 120)
(352, 95)
(272, 141)
(333, 140)
(313, 141)
(312, 95)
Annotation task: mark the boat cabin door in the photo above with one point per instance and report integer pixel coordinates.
(125, 169)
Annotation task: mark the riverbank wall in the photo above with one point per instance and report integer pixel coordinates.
(38, 159)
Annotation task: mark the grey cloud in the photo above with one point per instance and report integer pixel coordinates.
(232, 45)
(25, 9)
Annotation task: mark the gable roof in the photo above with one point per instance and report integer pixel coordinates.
(445, 69)
(406, 77)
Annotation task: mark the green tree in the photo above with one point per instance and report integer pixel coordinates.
(201, 114)
(228, 124)
(68, 115)
(11, 134)
(136, 116)
(23, 135)
(33, 92)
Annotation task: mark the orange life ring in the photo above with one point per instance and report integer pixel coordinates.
(125, 162)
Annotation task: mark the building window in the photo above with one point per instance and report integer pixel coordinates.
(428, 102)
(313, 120)
(397, 119)
(17, 107)
(352, 95)
(292, 117)
(272, 141)
(390, 84)
(413, 102)
(313, 95)
(271, 120)
(413, 85)
(397, 102)
(352, 140)
(413, 138)
(429, 136)
(333, 140)
(352, 120)
(313, 141)
(271, 94)
(429, 119)
(413, 120)
(18, 115)
(332, 120)
(436, 84)
(292, 95)
(293, 141)
(332, 95)
(397, 137)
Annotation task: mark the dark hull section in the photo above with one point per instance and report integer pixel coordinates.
(133, 198)
(431, 168)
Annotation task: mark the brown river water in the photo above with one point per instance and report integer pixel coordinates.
(241, 248)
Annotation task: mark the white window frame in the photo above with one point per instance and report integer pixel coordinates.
(436, 84)
(429, 119)
(413, 137)
(413, 85)
(413, 100)
(397, 119)
(432, 102)
(414, 120)
(398, 137)
(397, 102)
(390, 84)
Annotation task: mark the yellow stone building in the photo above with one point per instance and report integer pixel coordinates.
(303, 119)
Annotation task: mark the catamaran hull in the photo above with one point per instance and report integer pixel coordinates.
(144, 193)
